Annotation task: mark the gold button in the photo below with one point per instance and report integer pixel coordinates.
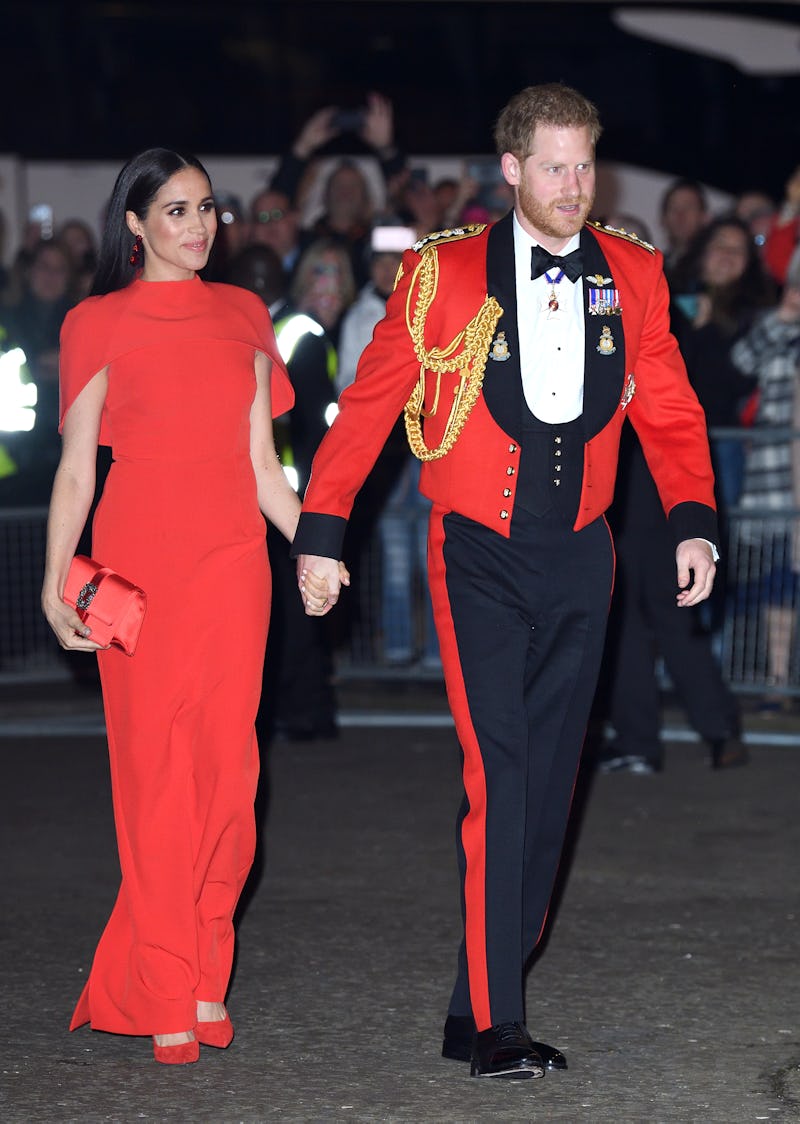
(512, 448)
(558, 440)
(506, 492)
(558, 452)
(558, 468)
(556, 482)
(510, 471)
(504, 514)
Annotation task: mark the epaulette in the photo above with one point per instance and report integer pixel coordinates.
(469, 230)
(627, 235)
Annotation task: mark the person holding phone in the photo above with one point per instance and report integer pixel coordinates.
(181, 378)
(518, 432)
(348, 204)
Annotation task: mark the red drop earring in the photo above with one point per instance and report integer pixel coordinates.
(136, 251)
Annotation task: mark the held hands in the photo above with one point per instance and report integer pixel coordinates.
(319, 581)
(694, 555)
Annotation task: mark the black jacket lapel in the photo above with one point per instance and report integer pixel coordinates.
(502, 385)
(604, 368)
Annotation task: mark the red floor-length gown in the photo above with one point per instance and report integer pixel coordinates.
(179, 518)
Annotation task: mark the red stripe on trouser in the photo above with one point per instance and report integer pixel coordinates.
(473, 829)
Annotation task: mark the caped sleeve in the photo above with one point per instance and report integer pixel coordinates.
(281, 390)
(83, 352)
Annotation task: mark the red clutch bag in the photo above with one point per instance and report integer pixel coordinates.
(109, 604)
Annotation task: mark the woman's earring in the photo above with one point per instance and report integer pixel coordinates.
(136, 251)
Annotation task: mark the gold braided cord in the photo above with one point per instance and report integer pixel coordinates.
(470, 360)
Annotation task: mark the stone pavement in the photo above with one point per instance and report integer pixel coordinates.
(669, 977)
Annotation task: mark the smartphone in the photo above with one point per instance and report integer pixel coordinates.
(42, 214)
(348, 120)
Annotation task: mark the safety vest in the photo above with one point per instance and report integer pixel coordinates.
(289, 331)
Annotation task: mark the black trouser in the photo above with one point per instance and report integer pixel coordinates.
(521, 626)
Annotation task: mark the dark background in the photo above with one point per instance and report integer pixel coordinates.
(90, 79)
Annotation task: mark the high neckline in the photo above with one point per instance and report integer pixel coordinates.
(195, 279)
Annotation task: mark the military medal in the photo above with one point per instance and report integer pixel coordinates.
(552, 303)
(604, 302)
(500, 350)
(606, 346)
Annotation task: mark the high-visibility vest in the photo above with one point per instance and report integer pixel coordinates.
(289, 331)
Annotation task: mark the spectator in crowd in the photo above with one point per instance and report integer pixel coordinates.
(644, 623)
(298, 701)
(684, 213)
(323, 284)
(3, 269)
(78, 240)
(417, 204)
(770, 352)
(347, 203)
(784, 233)
(757, 209)
(393, 484)
(481, 195)
(232, 235)
(34, 324)
(726, 287)
(275, 222)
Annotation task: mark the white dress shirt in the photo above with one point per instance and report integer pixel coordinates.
(551, 343)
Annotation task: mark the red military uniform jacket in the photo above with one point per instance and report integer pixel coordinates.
(640, 375)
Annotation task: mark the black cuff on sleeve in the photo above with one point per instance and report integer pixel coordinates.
(319, 534)
(693, 521)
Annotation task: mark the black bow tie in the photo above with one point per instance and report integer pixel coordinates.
(542, 261)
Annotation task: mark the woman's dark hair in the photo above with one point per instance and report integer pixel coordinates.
(137, 186)
(733, 306)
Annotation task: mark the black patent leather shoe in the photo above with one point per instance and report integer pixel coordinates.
(459, 1031)
(727, 753)
(505, 1050)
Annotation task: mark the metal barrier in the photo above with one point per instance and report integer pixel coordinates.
(754, 629)
(28, 649)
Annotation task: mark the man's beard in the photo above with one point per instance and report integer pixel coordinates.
(547, 219)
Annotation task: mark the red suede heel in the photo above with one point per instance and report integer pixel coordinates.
(218, 1033)
(182, 1054)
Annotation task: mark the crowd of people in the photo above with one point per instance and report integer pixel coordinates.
(321, 244)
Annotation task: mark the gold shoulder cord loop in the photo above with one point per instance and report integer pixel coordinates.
(475, 337)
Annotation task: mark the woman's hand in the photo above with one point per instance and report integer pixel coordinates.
(320, 580)
(71, 632)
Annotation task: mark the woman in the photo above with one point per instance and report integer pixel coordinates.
(182, 378)
(323, 285)
(723, 291)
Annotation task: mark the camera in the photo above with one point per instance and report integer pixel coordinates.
(348, 120)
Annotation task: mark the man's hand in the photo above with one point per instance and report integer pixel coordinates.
(319, 581)
(694, 555)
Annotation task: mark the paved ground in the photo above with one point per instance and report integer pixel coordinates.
(670, 977)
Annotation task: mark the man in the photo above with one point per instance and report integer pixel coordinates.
(520, 470)
(684, 213)
(274, 222)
